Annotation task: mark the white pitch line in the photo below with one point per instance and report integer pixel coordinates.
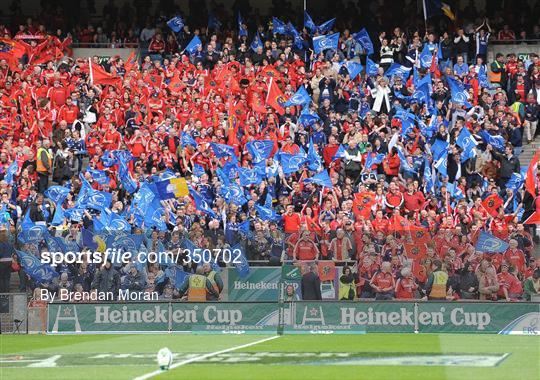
(201, 357)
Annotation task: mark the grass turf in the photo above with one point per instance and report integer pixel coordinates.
(137, 353)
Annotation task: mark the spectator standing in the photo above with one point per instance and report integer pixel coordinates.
(311, 284)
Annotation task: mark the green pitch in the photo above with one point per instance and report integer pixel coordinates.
(370, 356)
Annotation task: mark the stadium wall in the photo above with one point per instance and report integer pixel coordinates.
(101, 52)
(295, 317)
(521, 50)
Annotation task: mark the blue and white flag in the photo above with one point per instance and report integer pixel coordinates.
(278, 26)
(373, 159)
(425, 57)
(428, 177)
(11, 172)
(353, 68)
(313, 159)
(488, 243)
(242, 30)
(266, 213)
(340, 153)
(260, 150)
(322, 43)
(442, 164)
(58, 217)
(40, 273)
(321, 179)
(307, 117)
(404, 163)
(372, 69)
(33, 235)
(186, 139)
(57, 194)
(242, 267)
(99, 176)
(234, 193)
(299, 98)
(108, 159)
(467, 143)
(249, 177)
(176, 24)
(201, 204)
(517, 180)
(98, 200)
(496, 141)
(438, 148)
(291, 163)
(222, 150)
(257, 43)
(458, 92)
(326, 26)
(193, 45)
(308, 23)
(365, 41)
(398, 70)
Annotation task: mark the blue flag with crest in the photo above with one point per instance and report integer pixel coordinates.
(490, 244)
(322, 43)
(260, 150)
(299, 98)
(57, 194)
(193, 45)
(176, 24)
(365, 41)
(321, 179)
(40, 273)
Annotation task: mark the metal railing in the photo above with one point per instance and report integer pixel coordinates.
(108, 45)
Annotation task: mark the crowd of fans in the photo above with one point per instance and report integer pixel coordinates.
(388, 208)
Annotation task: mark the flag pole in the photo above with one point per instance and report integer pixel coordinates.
(425, 15)
(305, 5)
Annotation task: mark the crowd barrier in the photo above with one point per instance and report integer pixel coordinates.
(295, 317)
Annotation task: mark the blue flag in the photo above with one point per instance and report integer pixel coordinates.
(425, 57)
(108, 159)
(74, 214)
(404, 163)
(307, 117)
(186, 139)
(116, 223)
(321, 179)
(125, 179)
(257, 43)
(99, 176)
(198, 170)
(442, 164)
(373, 159)
(57, 194)
(242, 31)
(482, 78)
(40, 273)
(490, 244)
(299, 98)
(201, 204)
(428, 177)
(87, 237)
(291, 163)
(213, 22)
(222, 150)
(365, 41)
(326, 26)
(371, 68)
(260, 150)
(242, 268)
(517, 180)
(98, 200)
(249, 177)
(313, 159)
(497, 141)
(58, 217)
(340, 153)
(458, 92)
(233, 193)
(308, 23)
(466, 142)
(438, 148)
(266, 213)
(278, 26)
(322, 43)
(34, 234)
(193, 45)
(154, 216)
(11, 172)
(353, 68)
(298, 40)
(176, 24)
(398, 70)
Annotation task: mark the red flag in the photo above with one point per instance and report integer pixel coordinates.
(415, 251)
(154, 81)
(492, 204)
(362, 203)
(15, 48)
(211, 84)
(275, 97)
(434, 68)
(256, 103)
(131, 62)
(176, 85)
(419, 235)
(533, 219)
(532, 172)
(98, 75)
(270, 72)
(66, 45)
(327, 270)
(238, 111)
(419, 271)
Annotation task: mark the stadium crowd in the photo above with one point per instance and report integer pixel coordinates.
(399, 158)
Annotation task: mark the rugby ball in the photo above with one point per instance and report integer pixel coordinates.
(164, 358)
